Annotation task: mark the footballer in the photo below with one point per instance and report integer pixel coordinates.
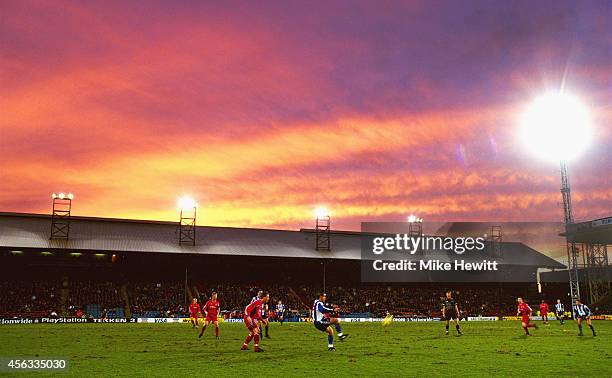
(524, 311)
(194, 313)
(582, 312)
(559, 311)
(322, 320)
(544, 311)
(450, 311)
(265, 319)
(280, 312)
(252, 314)
(211, 309)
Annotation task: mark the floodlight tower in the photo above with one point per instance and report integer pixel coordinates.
(187, 223)
(60, 216)
(322, 229)
(415, 226)
(572, 248)
(415, 230)
(496, 239)
(557, 126)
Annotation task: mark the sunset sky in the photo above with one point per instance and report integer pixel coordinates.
(264, 110)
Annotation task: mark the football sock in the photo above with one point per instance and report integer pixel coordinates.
(592, 329)
(457, 327)
(339, 329)
(580, 327)
(257, 341)
(526, 330)
(217, 331)
(330, 341)
(247, 340)
(447, 328)
(267, 330)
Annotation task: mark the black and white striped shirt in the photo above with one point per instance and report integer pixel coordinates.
(582, 310)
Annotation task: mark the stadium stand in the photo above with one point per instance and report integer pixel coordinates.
(112, 267)
(157, 299)
(168, 299)
(29, 297)
(98, 299)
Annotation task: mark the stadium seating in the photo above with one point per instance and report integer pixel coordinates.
(170, 299)
(29, 297)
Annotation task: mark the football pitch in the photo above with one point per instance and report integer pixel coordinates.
(298, 349)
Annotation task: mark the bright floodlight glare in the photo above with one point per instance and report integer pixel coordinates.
(54, 196)
(61, 196)
(70, 196)
(321, 212)
(412, 218)
(187, 203)
(556, 127)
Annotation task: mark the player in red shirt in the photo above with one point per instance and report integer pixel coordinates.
(525, 312)
(194, 311)
(211, 308)
(252, 314)
(544, 311)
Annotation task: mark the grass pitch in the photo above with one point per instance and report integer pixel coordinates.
(298, 349)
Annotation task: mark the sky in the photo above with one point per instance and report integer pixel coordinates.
(262, 111)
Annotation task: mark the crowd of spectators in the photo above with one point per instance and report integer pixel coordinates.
(234, 299)
(29, 296)
(170, 299)
(104, 294)
(158, 299)
(419, 301)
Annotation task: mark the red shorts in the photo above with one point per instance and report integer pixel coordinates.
(250, 323)
(525, 319)
(211, 317)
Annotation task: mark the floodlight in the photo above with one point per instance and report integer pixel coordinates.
(414, 219)
(321, 212)
(70, 196)
(186, 203)
(556, 126)
(61, 196)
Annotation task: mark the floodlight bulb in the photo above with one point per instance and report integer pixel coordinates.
(557, 127)
(53, 195)
(321, 212)
(61, 195)
(70, 196)
(412, 218)
(187, 203)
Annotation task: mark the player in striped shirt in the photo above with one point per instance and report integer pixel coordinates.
(560, 311)
(280, 312)
(322, 320)
(265, 320)
(583, 312)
